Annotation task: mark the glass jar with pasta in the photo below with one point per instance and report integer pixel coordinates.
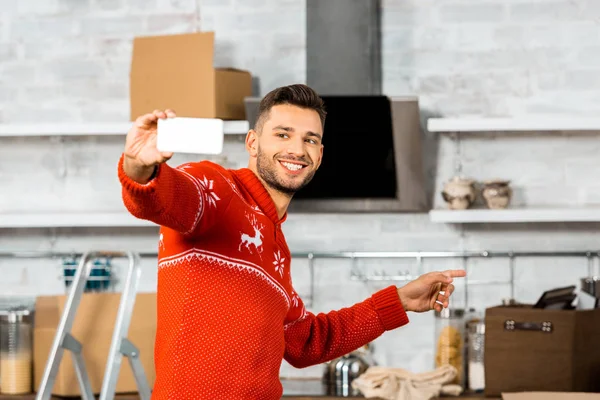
(15, 352)
(449, 341)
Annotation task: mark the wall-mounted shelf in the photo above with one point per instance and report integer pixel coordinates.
(71, 219)
(516, 215)
(525, 124)
(91, 129)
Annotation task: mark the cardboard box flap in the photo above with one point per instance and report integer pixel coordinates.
(550, 396)
(231, 69)
(152, 48)
(171, 71)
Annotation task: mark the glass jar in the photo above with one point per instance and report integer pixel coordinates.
(15, 352)
(475, 352)
(449, 341)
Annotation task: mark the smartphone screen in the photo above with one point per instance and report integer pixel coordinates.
(190, 135)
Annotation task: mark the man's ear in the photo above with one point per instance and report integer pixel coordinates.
(252, 143)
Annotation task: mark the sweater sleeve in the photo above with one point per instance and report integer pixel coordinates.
(314, 339)
(185, 199)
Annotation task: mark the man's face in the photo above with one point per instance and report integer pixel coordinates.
(289, 148)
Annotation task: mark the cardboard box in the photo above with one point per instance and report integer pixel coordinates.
(528, 349)
(550, 396)
(176, 71)
(93, 327)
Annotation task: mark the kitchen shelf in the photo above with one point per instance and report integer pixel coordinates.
(72, 219)
(514, 215)
(524, 124)
(91, 129)
(124, 219)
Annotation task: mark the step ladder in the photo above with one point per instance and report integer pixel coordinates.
(120, 346)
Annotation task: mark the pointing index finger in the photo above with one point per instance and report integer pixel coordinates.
(436, 277)
(455, 273)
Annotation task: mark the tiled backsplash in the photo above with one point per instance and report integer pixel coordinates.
(409, 347)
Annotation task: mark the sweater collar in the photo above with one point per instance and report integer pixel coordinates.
(259, 194)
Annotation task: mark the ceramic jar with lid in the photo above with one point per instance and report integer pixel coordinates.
(497, 193)
(459, 193)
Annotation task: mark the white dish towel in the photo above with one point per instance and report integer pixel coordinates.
(400, 384)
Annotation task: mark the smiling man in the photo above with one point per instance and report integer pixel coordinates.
(228, 313)
(286, 145)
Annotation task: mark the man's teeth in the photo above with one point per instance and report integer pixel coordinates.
(292, 167)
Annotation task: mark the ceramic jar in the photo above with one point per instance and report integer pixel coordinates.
(459, 193)
(497, 193)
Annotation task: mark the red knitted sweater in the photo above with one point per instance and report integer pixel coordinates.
(227, 310)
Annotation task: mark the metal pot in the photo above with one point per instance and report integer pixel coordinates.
(340, 373)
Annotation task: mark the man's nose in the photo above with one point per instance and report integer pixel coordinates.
(296, 147)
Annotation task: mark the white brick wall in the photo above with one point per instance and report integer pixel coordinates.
(78, 52)
(494, 57)
(458, 56)
(68, 60)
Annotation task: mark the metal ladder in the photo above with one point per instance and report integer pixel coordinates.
(120, 346)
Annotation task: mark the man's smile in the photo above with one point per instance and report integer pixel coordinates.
(292, 167)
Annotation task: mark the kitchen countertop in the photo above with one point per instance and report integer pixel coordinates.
(286, 397)
(293, 389)
(313, 389)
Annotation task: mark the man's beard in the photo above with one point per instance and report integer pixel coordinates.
(267, 170)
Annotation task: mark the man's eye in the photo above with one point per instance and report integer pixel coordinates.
(311, 141)
(282, 135)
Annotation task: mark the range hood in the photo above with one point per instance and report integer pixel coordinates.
(373, 156)
(396, 186)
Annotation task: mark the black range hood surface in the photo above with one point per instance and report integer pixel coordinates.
(358, 159)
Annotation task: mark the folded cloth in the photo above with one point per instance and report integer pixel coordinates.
(400, 384)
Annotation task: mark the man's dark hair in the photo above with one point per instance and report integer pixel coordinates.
(296, 95)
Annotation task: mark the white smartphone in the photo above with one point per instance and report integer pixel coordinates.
(190, 135)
